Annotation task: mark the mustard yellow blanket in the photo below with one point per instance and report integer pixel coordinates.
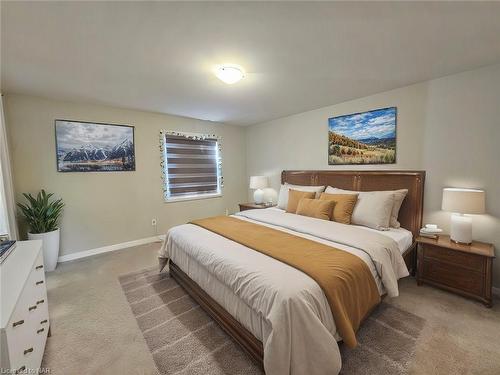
(345, 279)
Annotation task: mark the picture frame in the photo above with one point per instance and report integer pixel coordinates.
(368, 137)
(83, 146)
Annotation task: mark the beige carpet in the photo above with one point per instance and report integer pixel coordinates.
(95, 332)
(183, 339)
(386, 343)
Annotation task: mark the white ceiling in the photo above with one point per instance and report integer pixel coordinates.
(298, 56)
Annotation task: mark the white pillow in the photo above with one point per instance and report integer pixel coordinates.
(373, 208)
(283, 197)
(399, 196)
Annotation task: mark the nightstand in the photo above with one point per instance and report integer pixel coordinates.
(253, 206)
(462, 269)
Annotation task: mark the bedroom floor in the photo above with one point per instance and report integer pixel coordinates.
(94, 331)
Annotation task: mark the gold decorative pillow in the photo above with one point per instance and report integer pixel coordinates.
(294, 196)
(344, 205)
(320, 209)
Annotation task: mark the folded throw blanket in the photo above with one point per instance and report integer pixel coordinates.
(345, 279)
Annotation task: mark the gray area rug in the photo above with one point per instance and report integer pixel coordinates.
(183, 339)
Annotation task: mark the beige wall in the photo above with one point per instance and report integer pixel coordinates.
(109, 208)
(461, 147)
(300, 141)
(449, 127)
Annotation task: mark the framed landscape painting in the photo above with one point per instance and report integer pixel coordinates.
(363, 138)
(94, 147)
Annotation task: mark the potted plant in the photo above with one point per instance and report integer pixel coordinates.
(42, 216)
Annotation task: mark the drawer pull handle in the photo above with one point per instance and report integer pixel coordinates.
(32, 308)
(43, 321)
(39, 302)
(28, 351)
(39, 267)
(18, 323)
(39, 282)
(21, 369)
(40, 330)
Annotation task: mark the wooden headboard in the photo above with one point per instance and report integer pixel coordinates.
(410, 214)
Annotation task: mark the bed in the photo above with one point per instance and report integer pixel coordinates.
(269, 307)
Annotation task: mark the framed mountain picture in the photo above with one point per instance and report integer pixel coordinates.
(363, 138)
(94, 147)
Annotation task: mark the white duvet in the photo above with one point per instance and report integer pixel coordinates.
(279, 304)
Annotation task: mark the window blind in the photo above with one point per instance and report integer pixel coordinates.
(191, 166)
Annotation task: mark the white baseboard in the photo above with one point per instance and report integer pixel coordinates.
(496, 291)
(105, 249)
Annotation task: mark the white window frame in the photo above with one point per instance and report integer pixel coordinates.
(164, 164)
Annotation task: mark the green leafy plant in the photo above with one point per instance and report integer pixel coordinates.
(41, 214)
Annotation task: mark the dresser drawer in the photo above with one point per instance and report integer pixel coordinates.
(38, 266)
(37, 276)
(29, 360)
(454, 277)
(25, 342)
(18, 339)
(469, 261)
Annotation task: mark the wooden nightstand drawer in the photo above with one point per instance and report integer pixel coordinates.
(454, 277)
(462, 269)
(470, 261)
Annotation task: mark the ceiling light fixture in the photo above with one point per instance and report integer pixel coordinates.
(229, 74)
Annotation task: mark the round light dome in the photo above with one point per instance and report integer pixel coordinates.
(229, 74)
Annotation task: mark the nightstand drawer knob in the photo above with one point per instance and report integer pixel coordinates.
(31, 308)
(20, 369)
(40, 330)
(39, 267)
(39, 302)
(18, 323)
(39, 282)
(43, 321)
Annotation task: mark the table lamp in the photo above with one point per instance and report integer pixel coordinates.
(462, 202)
(258, 183)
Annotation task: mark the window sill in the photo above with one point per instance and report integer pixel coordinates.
(193, 198)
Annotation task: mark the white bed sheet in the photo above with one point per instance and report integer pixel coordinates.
(224, 296)
(402, 236)
(240, 310)
(194, 249)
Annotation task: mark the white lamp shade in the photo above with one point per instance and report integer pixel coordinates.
(258, 182)
(463, 201)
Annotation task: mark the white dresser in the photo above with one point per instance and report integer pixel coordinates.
(23, 308)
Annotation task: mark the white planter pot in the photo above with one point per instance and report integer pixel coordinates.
(50, 247)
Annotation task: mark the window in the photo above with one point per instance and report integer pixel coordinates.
(4, 219)
(7, 205)
(192, 166)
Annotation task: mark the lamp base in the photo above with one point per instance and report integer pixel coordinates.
(461, 229)
(258, 196)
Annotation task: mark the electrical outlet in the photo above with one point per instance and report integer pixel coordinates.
(153, 222)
